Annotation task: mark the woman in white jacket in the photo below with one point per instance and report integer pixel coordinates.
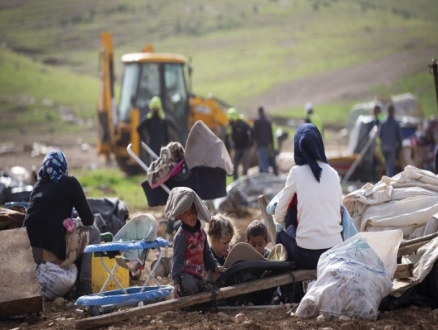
(315, 188)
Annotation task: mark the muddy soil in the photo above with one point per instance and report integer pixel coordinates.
(63, 317)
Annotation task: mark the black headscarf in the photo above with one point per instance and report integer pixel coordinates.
(308, 147)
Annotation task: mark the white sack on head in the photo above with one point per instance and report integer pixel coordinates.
(203, 148)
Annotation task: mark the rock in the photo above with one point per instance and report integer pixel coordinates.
(347, 326)
(287, 305)
(320, 319)
(282, 305)
(239, 318)
(388, 327)
(24, 324)
(344, 318)
(222, 315)
(59, 302)
(326, 328)
(435, 311)
(248, 325)
(60, 319)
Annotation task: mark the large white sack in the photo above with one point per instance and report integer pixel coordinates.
(352, 279)
(56, 281)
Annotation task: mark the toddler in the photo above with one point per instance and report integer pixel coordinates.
(190, 246)
(257, 237)
(221, 233)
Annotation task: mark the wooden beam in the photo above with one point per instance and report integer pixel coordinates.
(419, 239)
(403, 271)
(223, 293)
(268, 220)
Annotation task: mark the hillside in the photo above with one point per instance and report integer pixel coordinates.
(276, 53)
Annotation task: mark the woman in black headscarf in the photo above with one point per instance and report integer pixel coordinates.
(315, 188)
(52, 200)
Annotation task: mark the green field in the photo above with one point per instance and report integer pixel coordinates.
(238, 49)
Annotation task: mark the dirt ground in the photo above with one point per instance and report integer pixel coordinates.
(62, 317)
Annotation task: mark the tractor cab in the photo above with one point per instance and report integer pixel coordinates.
(150, 74)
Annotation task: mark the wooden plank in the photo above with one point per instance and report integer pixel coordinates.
(268, 220)
(223, 293)
(408, 249)
(19, 288)
(403, 271)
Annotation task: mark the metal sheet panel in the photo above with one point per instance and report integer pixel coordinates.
(19, 288)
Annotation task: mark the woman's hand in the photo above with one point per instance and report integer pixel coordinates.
(176, 291)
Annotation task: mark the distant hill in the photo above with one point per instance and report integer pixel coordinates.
(245, 52)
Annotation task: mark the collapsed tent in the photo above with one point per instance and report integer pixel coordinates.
(408, 201)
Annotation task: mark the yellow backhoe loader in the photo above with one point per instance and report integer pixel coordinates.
(147, 74)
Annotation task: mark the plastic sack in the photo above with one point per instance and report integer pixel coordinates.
(55, 281)
(351, 281)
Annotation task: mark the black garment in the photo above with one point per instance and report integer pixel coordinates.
(154, 131)
(242, 134)
(263, 132)
(304, 258)
(50, 204)
(220, 260)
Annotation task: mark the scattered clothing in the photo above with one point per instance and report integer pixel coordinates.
(110, 214)
(161, 169)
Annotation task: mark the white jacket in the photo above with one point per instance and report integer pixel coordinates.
(319, 217)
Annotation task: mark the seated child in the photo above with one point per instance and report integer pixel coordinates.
(190, 246)
(257, 237)
(221, 232)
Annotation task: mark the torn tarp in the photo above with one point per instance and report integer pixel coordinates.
(244, 192)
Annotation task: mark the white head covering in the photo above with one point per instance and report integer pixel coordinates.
(181, 199)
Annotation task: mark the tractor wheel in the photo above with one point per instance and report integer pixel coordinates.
(122, 163)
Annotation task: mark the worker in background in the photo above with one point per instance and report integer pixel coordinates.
(376, 155)
(240, 134)
(312, 117)
(264, 139)
(391, 140)
(273, 152)
(153, 127)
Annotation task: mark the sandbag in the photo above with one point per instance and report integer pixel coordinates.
(56, 281)
(351, 281)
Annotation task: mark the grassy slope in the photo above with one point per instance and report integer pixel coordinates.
(238, 48)
(35, 96)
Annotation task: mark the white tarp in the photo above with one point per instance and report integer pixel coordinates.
(407, 201)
